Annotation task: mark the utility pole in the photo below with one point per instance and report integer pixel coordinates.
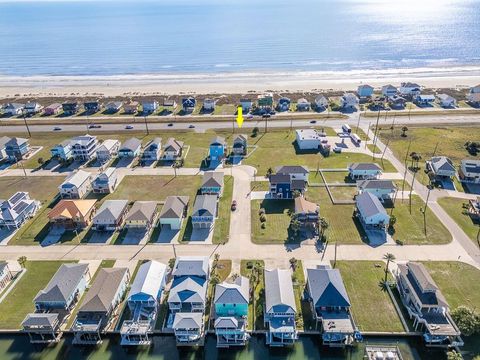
(376, 133)
(393, 122)
(358, 122)
(26, 124)
(335, 258)
(411, 190)
(146, 125)
(405, 165)
(425, 210)
(384, 150)
(368, 132)
(394, 201)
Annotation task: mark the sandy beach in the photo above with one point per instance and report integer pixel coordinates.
(233, 83)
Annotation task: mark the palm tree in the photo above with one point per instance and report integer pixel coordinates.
(392, 221)
(254, 279)
(323, 225)
(22, 260)
(293, 263)
(269, 172)
(390, 258)
(295, 226)
(404, 131)
(214, 279)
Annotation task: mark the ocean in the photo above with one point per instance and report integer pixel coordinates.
(100, 38)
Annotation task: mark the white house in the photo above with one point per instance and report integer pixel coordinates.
(389, 90)
(383, 189)
(446, 101)
(365, 90)
(441, 166)
(3, 141)
(295, 172)
(209, 104)
(172, 149)
(32, 108)
(303, 105)
(13, 109)
(474, 98)
(107, 150)
(174, 211)
(364, 171)
(349, 100)
(470, 171)
(371, 212)
(5, 275)
(16, 210)
(149, 106)
(84, 147)
(105, 182)
(76, 186)
(307, 139)
(321, 102)
(409, 89)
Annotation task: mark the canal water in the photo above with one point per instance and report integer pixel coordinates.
(14, 347)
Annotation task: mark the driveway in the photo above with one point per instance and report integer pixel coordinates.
(136, 237)
(202, 236)
(101, 237)
(167, 236)
(53, 236)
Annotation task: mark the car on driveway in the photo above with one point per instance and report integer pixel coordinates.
(129, 127)
(234, 205)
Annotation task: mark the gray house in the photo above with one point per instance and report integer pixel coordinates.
(307, 213)
(130, 148)
(141, 215)
(204, 211)
(174, 211)
(212, 183)
(441, 167)
(240, 144)
(42, 328)
(100, 303)
(76, 186)
(382, 189)
(360, 171)
(371, 212)
(152, 150)
(110, 216)
(105, 182)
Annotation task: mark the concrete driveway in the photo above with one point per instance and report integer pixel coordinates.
(101, 237)
(167, 235)
(136, 237)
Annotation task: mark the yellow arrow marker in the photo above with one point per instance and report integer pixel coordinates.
(239, 116)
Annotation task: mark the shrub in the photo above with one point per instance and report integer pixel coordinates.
(467, 320)
(261, 211)
(264, 225)
(263, 218)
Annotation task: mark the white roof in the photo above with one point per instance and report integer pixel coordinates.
(307, 134)
(149, 279)
(108, 145)
(77, 178)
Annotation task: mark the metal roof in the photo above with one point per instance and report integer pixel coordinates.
(326, 288)
(279, 290)
(233, 293)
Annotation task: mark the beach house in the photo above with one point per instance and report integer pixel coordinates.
(131, 107)
(33, 107)
(365, 91)
(76, 186)
(169, 103)
(303, 104)
(362, 171)
(149, 106)
(152, 150)
(307, 213)
(130, 148)
(280, 309)
(84, 147)
(397, 101)
(113, 106)
(5, 275)
(470, 171)
(321, 103)
(349, 101)
(240, 145)
(141, 215)
(446, 101)
(212, 183)
(52, 109)
(370, 212)
(424, 99)
(70, 107)
(475, 89)
(217, 149)
(187, 299)
(100, 303)
(204, 211)
(330, 305)
(188, 104)
(110, 216)
(283, 104)
(287, 180)
(15, 211)
(105, 182)
(231, 312)
(42, 328)
(17, 149)
(3, 142)
(91, 106)
(382, 189)
(246, 105)
(71, 214)
(409, 89)
(441, 167)
(13, 109)
(426, 306)
(208, 105)
(265, 101)
(473, 209)
(389, 90)
(174, 211)
(107, 150)
(172, 150)
(143, 301)
(474, 99)
(63, 151)
(308, 139)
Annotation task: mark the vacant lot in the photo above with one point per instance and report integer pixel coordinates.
(372, 307)
(222, 223)
(255, 318)
(42, 188)
(19, 302)
(457, 281)
(278, 221)
(454, 208)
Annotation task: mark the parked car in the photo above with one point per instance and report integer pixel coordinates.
(129, 127)
(95, 126)
(337, 149)
(234, 205)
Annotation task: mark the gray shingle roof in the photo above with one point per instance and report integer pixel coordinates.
(376, 184)
(191, 265)
(326, 288)
(188, 320)
(212, 179)
(442, 163)
(63, 284)
(111, 210)
(369, 205)
(100, 296)
(233, 293)
(225, 322)
(142, 211)
(131, 144)
(77, 178)
(291, 169)
(174, 207)
(279, 290)
(40, 319)
(279, 179)
(205, 205)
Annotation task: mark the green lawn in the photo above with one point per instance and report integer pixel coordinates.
(454, 208)
(42, 188)
(19, 302)
(260, 186)
(304, 317)
(372, 307)
(410, 227)
(222, 223)
(277, 223)
(224, 268)
(458, 282)
(255, 317)
(343, 192)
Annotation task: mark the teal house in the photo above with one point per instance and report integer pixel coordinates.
(231, 312)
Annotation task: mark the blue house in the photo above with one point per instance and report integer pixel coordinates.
(283, 104)
(64, 289)
(286, 180)
(188, 104)
(364, 91)
(62, 151)
(218, 149)
(149, 106)
(231, 311)
(16, 148)
(91, 107)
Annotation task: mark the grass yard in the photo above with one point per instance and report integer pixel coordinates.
(372, 307)
(42, 188)
(222, 223)
(304, 320)
(454, 208)
(331, 177)
(19, 302)
(255, 318)
(410, 229)
(259, 186)
(343, 192)
(224, 268)
(277, 224)
(457, 281)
